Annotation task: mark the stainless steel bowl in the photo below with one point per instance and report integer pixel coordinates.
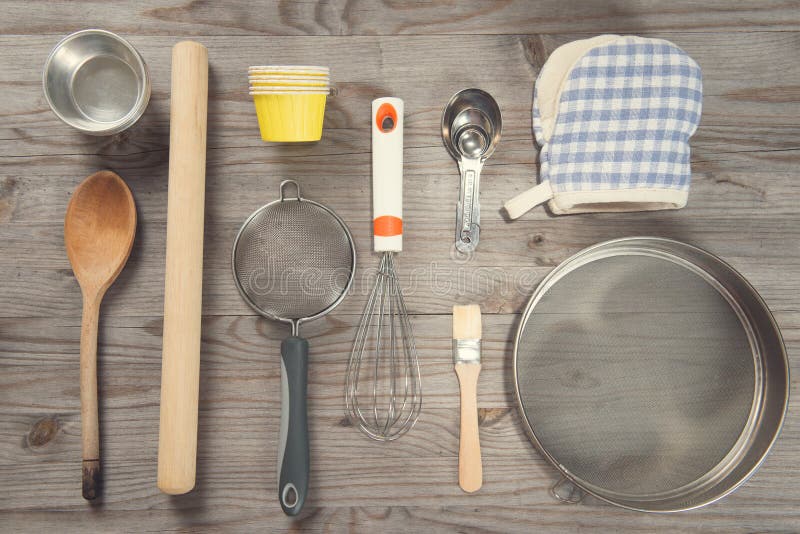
(96, 82)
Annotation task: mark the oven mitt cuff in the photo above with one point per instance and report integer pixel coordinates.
(613, 116)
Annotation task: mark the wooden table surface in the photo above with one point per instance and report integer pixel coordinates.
(744, 206)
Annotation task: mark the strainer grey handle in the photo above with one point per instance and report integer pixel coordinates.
(293, 459)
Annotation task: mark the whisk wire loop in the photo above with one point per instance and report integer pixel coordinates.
(392, 405)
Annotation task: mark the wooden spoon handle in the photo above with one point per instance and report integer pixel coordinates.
(90, 432)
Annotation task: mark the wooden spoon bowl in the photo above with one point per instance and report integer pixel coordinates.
(99, 229)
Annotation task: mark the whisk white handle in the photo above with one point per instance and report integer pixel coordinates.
(387, 174)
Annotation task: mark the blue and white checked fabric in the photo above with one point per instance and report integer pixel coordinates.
(620, 139)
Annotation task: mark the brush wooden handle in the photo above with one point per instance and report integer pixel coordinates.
(90, 432)
(180, 371)
(470, 469)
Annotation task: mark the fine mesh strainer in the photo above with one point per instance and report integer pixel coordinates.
(293, 261)
(651, 374)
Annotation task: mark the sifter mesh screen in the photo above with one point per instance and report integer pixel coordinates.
(635, 375)
(293, 259)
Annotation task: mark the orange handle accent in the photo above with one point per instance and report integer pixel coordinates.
(386, 111)
(387, 226)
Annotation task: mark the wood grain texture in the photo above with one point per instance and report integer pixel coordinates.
(743, 206)
(367, 17)
(239, 404)
(183, 274)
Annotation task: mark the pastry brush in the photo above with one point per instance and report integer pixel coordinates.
(467, 363)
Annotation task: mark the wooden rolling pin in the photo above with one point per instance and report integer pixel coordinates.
(180, 365)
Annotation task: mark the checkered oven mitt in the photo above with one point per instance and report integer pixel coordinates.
(613, 116)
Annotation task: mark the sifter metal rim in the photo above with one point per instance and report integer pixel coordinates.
(640, 245)
(298, 198)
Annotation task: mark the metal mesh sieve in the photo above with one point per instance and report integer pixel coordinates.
(637, 375)
(293, 259)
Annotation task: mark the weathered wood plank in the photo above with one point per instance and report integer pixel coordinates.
(240, 377)
(233, 345)
(764, 92)
(38, 171)
(743, 207)
(365, 17)
(742, 517)
(736, 514)
(345, 152)
(511, 260)
(248, 483)
(733, 183)
(240, 382)
(40, 437)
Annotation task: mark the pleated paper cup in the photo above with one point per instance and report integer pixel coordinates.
(291, 70)
(288, 77)
(288, 74)
(282, 82)
(290, 116)
(290, 67)
(289, 81)
(289, 90)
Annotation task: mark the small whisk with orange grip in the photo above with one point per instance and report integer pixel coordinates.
(383, 394)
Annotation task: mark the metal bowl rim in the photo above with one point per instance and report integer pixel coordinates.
(141, 102)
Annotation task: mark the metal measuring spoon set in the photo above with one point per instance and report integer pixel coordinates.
(471, 126)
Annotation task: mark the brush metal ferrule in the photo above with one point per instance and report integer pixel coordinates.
(466, 351)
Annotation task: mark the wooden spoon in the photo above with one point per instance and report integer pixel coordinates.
(98, 233)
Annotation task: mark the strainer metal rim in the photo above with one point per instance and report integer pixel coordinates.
(714, 475)
(294, 322)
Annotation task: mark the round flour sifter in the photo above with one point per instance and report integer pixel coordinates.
(650, 374)
(293, 261)
(382, 390)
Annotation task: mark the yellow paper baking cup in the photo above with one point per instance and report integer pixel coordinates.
(288, 72)
(305, 72)
(289, 90)
(290, 118)
(293, 76)
(287, 83)
(251, 75)
(281, 68)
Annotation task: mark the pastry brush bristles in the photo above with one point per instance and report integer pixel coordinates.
(467, 322)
